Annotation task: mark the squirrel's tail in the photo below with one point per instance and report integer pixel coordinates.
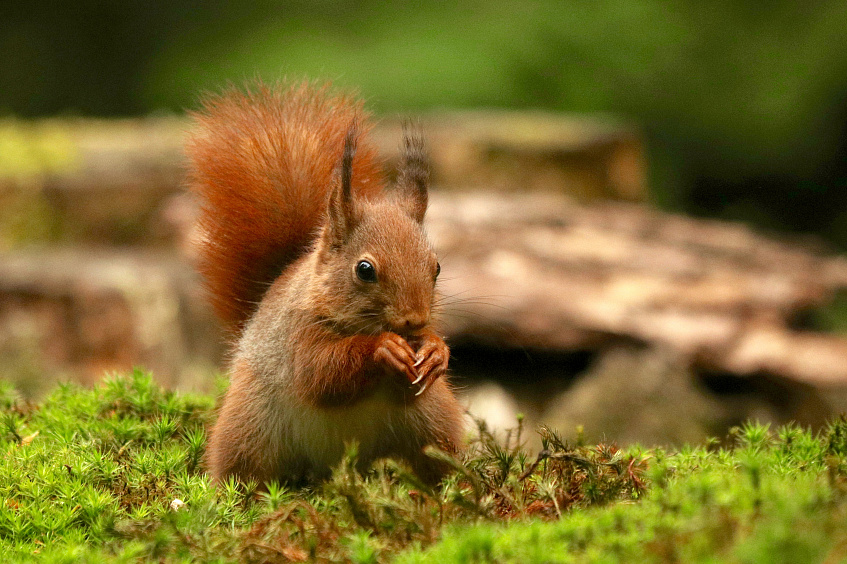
(263, 162)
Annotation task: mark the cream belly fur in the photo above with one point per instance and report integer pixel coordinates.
(317, 436)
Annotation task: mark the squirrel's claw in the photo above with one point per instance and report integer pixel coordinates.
(395, 352)
(432, 357)
(422, 367)
(423, 388)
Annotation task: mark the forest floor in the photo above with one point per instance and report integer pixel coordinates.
(114, 473)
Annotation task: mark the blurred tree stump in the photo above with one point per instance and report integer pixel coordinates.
(81, 313)
(89, 182)
(524, 264)
(587, 157)
(538, 271)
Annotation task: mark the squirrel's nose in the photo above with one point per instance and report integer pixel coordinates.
(411, 322)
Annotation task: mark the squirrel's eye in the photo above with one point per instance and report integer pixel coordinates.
(437, 269)
(366, 271)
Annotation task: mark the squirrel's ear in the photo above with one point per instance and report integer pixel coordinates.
(340, 209)
(413, 177)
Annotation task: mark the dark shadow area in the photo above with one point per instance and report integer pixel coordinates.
(609, 388)
(767, 396)
(829, 318)
(529, 374)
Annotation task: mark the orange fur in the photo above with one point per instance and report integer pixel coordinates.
(293, 202)
(262, 163)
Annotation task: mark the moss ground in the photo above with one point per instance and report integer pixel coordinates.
(114, 474)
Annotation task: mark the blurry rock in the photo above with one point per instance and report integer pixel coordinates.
(632, 395)
(652, 397)
(489, 401)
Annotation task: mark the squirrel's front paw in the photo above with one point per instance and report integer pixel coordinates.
(393, 351)
(431, 360)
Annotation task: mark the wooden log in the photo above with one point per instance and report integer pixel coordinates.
(85, 312)
(114, 182)
(540, 271)
(520, 269)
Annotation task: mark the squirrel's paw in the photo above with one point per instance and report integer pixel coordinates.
(393, 351)
(431, 360)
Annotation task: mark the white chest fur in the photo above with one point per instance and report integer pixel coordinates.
(314, 439)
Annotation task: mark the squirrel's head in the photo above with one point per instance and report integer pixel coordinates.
(377, 268)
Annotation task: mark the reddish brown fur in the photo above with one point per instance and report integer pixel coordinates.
(262, 163)
(338, 371)
(243, 450)
(236, 448)
(323, 357)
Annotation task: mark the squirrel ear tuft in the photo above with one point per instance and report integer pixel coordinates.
(413, 177)
(340, 208)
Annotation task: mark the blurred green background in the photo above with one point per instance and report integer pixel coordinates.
(743, 103)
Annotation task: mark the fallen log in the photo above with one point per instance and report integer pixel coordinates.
(540, 271)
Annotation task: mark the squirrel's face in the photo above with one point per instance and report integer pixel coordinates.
(385, 270)
(376, 268)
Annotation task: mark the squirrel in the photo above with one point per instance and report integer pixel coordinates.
(325, 280)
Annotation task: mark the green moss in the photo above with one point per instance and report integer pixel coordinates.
(32, 150)
(773, 497)
(29, 154)
(91, 475)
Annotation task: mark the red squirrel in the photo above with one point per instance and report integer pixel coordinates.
(325, 279)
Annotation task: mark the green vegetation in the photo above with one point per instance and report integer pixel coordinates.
(30, 153)
(94, 475)
(771, 497)
(742, 107)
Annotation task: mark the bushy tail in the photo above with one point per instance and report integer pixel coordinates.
(262, 162)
